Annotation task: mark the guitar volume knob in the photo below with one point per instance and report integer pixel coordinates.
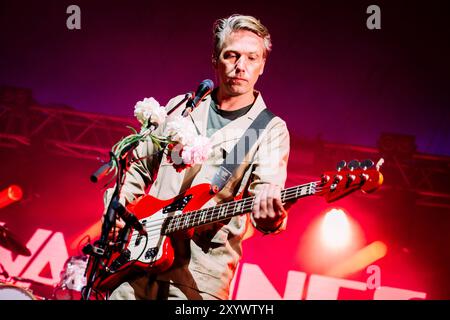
(325, 178)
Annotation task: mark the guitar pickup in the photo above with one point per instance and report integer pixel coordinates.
(121, 260)
(151, 253)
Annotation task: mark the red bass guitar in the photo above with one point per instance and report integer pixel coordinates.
(150, 250)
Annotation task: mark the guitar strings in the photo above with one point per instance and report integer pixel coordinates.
(208, 213)
(211, 212)
(289, 192)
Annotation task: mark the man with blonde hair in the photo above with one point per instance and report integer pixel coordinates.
(205, 264)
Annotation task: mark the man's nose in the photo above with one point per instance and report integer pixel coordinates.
(240, 64)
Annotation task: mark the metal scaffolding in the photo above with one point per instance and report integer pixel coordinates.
(425, 176)
(61, 130)
(65, 131)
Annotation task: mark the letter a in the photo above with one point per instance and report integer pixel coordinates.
(374, 280)
(74, 20)
(374, 20)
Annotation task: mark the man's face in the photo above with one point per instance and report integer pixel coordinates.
(240, 63)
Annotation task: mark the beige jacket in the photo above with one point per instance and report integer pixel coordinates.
(208, 261)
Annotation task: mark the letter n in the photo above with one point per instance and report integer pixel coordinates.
(253, 284)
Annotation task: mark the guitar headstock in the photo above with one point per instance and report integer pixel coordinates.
(364, 175)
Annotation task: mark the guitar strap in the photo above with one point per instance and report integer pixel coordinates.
(240, 150)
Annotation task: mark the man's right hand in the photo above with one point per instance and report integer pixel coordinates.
(119, 225)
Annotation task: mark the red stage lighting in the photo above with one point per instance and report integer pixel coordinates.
(10, 195)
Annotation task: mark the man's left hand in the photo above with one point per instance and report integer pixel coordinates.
(268, 211)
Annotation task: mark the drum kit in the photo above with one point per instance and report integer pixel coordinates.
(72, 277)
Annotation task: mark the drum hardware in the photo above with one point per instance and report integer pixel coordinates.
(9, 291)
(73, 279)
(10, 241)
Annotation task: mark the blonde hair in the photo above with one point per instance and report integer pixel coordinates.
(225, 26)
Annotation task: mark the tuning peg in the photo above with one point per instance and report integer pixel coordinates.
(340, 165)
(367, 164)
(354, 164)
(379, 164)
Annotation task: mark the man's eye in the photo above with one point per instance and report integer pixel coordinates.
(230, 55)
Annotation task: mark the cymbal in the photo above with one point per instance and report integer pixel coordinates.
(9, 241)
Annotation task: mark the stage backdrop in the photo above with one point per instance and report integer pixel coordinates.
(387, 246)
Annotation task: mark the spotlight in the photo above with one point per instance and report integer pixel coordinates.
(335, 229)
(10, 195)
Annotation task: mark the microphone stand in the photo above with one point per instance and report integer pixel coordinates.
(98, 251)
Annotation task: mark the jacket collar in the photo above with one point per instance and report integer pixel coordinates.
(227, 136)
(199, 115)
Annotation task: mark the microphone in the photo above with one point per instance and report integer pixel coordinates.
(129, 218)
(102, 172)
(205, 88)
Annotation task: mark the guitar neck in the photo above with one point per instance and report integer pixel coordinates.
(230, 209)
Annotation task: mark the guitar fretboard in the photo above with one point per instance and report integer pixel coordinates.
(228, 210)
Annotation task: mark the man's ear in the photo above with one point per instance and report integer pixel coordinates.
(214, 62)
(262, 67)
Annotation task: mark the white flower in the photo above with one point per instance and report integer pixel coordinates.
(149, 109)
(197, 152)
(181, 130)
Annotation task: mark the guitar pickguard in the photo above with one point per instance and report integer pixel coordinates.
(178, 205)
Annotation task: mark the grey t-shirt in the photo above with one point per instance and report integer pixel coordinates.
(217, 118)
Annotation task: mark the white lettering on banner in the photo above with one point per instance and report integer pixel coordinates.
(253, 277)
(53, 253)
(49, 248)
(389, 293)
(327, 288)
(253, 284)
(16, 266)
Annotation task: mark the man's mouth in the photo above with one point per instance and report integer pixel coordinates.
(237, 79)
